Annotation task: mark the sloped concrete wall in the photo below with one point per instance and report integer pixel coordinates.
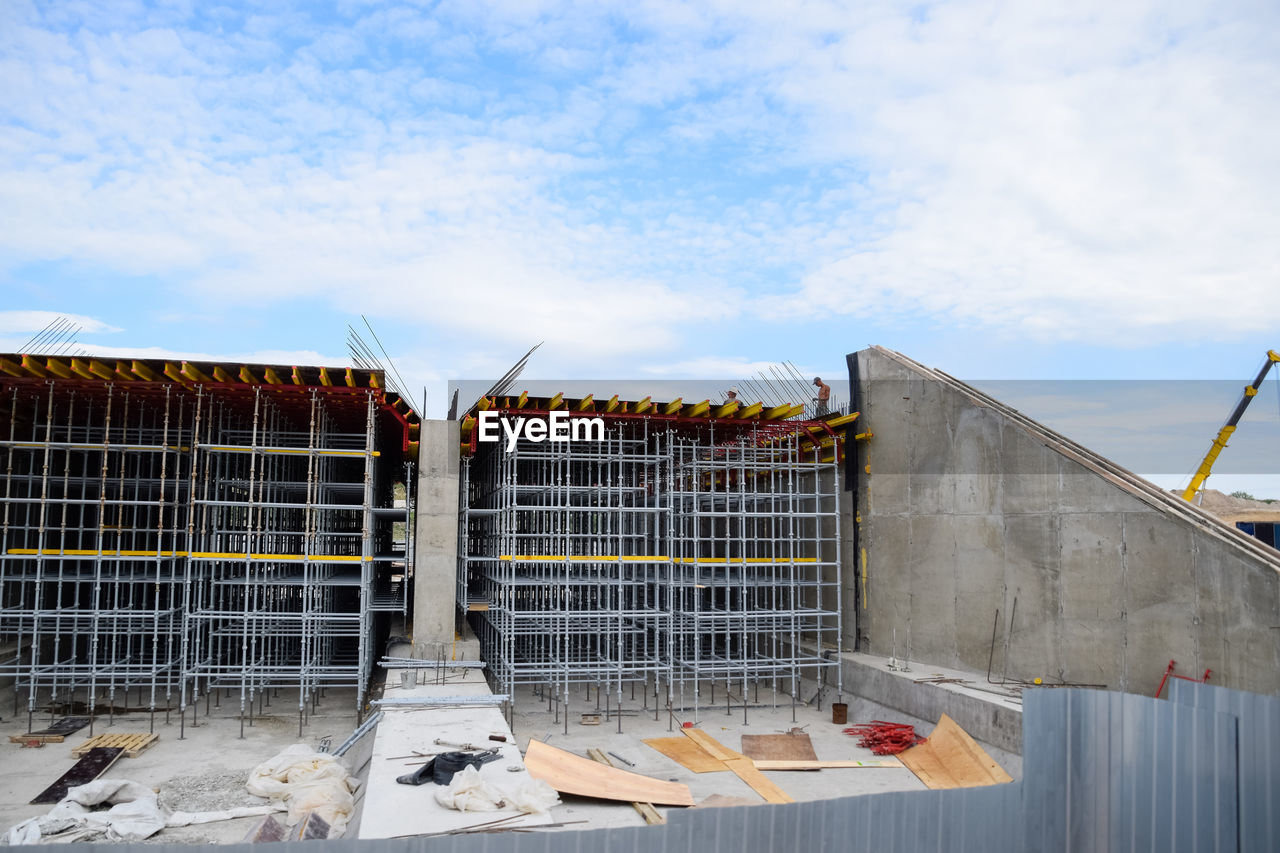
(969, 506)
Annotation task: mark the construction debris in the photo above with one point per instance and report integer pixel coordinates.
(885, 738)
(572, 774)
(950, 758)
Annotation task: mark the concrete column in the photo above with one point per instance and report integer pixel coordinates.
(436, 538)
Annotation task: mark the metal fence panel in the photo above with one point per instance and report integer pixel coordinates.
(1259, 766)
(1119, 772)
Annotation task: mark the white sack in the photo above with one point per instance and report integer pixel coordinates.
(469, 791)
(304, 780)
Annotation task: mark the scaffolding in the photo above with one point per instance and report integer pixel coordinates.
(671, 555)
(187, 539)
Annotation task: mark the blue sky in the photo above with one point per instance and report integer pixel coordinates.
(1002, 190)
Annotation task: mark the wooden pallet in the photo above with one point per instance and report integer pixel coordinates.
(55, 733)
(132, 744)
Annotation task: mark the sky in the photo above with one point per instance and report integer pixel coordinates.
(1006, 191)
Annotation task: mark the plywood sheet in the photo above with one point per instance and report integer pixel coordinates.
(687, 754)
(646, 810)
(88, 768)
(952, 759)
(740, 765)
(573, 774)
(767, 764)
(788, 747)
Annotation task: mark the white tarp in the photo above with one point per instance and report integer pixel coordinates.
(298, 780)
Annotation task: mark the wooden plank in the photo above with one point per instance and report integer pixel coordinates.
(687, 754)
(55, 733)
(573, 774)
(760, 783)
(132, 743)
(740, 765)
(93, 765)
(646, 810)
(788, 747)
(713, 747)
(952, 759)
(767, 764)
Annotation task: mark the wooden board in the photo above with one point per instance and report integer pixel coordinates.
(646, 810)
(93, 765)
(573, 774)
(952, 759)
(779, 747)
(771, 764)
(687, 754)
(740, 765)
(132, 744)
(55, 733)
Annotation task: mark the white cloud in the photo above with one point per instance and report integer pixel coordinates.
(35, 321)
(619, 180)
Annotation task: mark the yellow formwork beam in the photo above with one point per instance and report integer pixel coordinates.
(587, 404)
(324, 378)
(100, 370)
(350, 378)
(246, 376)
(12, 367)
(142, 371)
(727, 409)
(643, 405)
(673, 407)
(843, 419)
(556, 402)
(124, 371)
(374, 382)
(522, 400)
(272, 377)
(697, 410)
(57, 368)
(195, 374)
(296, 375)
(34, 367)
(612, 405)
(220, 374)
(750, 411)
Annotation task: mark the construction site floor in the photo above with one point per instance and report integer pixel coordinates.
(768, 713)
(205, 770)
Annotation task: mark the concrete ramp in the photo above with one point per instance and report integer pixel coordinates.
(992, 539)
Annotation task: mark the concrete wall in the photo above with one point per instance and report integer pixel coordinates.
(969, 505)
(436, 538)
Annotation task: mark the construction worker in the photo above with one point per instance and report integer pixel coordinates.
(823, 398)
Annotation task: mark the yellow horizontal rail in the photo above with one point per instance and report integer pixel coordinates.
(202, 555)
(602, 558)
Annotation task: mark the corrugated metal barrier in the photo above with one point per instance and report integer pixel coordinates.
(1101, 772)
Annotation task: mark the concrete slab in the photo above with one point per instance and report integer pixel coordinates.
(392, 810)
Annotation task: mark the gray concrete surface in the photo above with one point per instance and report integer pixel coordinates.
(205, 771)
(436, 540)
(969, 506)
(769, 713)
